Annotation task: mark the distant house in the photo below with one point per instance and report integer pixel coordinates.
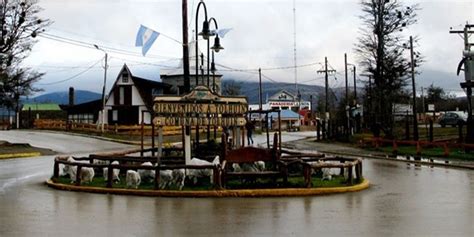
(290, 105)
(31, 111)
(289, 119)
(87, 112)
(129, 96)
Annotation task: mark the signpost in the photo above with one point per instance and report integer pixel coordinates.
(201, 107)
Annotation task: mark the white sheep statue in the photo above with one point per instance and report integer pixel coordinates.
(147, 175)
(194, 174)
(133, 179)
(87, 174)
(179, 176)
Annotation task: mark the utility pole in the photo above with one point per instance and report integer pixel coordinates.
(184, 23)
(346, 107)
(355, 87)
(326, 74)
(103, 88)
(326, 80)
(260, 87)
(103, 94)
(345, 75)
(415, 117)
(186, 139)
(468, 61)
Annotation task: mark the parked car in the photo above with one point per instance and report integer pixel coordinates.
(452, 118)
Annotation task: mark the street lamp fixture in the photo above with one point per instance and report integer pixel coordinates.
(217, 44)
(205, 33)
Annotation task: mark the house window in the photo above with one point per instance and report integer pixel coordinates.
(114, 115)
(125, 77)
(121, 95)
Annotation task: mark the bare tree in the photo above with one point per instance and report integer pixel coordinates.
(231, 87)
(19, 25)
(382, 52)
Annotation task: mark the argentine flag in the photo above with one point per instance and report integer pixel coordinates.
(145, 38)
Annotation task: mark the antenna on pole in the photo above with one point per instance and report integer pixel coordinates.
(294, 45)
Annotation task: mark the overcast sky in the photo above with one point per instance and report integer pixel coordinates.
(262, 36)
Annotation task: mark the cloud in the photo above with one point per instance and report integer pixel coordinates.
(262, 36)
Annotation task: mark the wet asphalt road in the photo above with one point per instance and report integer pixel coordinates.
(403, 200)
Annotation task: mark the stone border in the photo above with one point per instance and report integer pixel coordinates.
(280, 192)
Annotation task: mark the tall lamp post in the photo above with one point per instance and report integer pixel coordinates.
(103, 88)
(205, 33)
(215, 48)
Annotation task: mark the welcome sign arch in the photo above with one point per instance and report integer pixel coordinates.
(201, 107)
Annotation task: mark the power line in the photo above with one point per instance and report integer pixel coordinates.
(72, 77)
(90, 46)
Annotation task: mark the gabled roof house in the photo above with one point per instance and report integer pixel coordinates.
(129, 96)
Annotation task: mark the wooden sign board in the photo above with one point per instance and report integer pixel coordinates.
(200, 107)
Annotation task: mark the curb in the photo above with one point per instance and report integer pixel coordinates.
(19, 155)
(280, 192)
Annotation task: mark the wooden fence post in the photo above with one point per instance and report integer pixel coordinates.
(318, 129)
(350, 179)
(109, 175)
(56, 169)
(395, 148)
(418, 148)
(431, 131)
(157, 177)
(446, 150)
(324, 129)
(78, 175)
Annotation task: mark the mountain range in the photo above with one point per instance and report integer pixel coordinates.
(62, 97)
(249, 89)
